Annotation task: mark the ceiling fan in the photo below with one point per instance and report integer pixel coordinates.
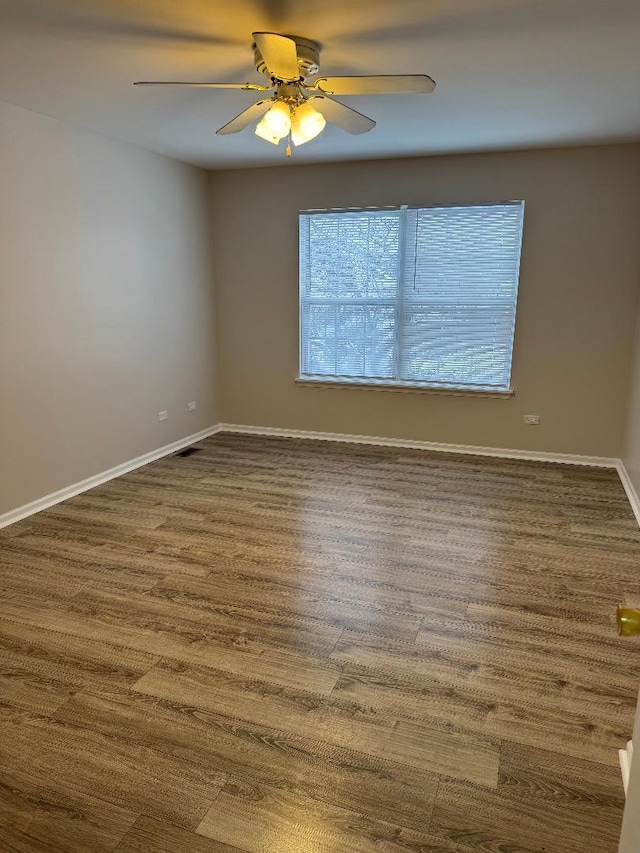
(299, 107)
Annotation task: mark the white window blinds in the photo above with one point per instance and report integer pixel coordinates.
(420, 296)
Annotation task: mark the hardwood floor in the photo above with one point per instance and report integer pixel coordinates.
(278, 646)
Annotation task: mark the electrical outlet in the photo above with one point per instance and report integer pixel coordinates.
(191, 407)
(532, 420)
(162, 416)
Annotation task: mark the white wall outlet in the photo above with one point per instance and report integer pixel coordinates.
(532, 420)
(191, 407)
(162, 416)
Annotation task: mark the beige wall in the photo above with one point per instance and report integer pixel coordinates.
(578, 290)
(631, 444)
(106, 306)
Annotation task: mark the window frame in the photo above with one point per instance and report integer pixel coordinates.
(396, 384)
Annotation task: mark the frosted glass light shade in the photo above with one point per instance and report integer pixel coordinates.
(278, 120)
(306, 123)
(264, 133)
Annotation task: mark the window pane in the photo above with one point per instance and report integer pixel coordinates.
(439, 349)
(361, 338)
(349, 287)
(459, 251)
(352, 255)
(460, 286)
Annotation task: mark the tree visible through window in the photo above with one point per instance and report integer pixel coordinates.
(419, 296)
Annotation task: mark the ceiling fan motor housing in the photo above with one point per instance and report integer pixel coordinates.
(308, 53)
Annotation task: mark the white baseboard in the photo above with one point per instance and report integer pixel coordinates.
(84, 485)
(629, 488)
(469, 449)
(625, 756)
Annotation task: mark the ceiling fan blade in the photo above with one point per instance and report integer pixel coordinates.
(376, 85)
(350, 120)
(251, 114)
(248, 86)
(280, 55)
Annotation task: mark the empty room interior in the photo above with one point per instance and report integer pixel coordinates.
(319, 426)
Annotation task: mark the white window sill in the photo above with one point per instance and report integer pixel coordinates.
(453, 390)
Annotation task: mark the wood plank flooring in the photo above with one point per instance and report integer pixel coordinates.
(278, 646)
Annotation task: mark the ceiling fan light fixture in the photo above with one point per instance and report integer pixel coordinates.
(276, 124)
(264, 133)
(306, 123)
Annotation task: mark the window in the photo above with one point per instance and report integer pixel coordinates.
(410, 296)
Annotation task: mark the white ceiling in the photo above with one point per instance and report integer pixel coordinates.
(509, 73)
